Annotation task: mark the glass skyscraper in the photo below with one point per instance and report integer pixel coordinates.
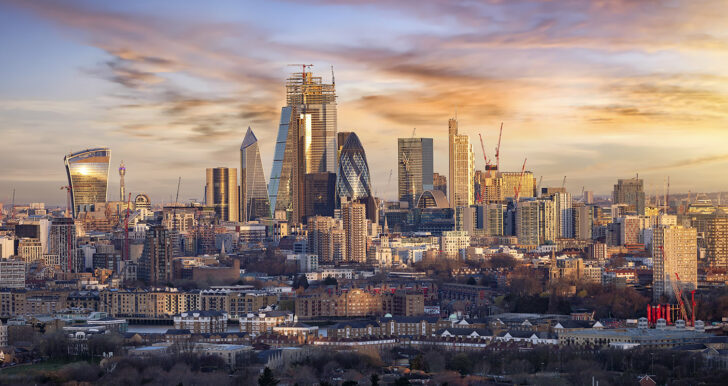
(221, 192)
(414, 173)
(306, 142)
(353, 179)
(88, 177)
(254, 201)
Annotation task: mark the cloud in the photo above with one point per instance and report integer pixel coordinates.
(692, 162)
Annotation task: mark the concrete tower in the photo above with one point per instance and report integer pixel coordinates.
(122, 173)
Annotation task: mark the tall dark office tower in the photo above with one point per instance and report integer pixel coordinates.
(62, 242)
(631, 192)
(155, 264)
(254, 201)
(320, 199)
(221, 192)
(306, 142)
(414, 171)
(88, 177)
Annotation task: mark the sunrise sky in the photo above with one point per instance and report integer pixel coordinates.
(592, 90)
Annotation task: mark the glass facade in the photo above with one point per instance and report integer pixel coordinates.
(306, 142)
(353, 180)
(88, 177)
(254, 201)
(414, 168)
(280, 188)
(221, 192)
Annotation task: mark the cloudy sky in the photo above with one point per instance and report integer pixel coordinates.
(592, 90)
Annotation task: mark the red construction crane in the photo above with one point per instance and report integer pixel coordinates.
(676, 289)
(520, 180)
(485, 156)
(497, 149)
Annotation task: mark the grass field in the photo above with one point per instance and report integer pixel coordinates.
(36, 367)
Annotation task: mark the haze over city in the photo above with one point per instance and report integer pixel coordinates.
(594, 90)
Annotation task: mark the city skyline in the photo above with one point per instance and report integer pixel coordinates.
(579, 96)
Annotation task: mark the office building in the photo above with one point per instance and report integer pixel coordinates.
(254, 202)
(7, 247)
(155, 264)
(306, 142)
(465, 219)
(462, 167)
(355, 229)
(353, 178)
(88, 177)
(716, 240)
(414, 168)
(510, 182)
(630, 192)
(674, 253)
(439, 182)
(62, 242)
(221, 192)
(320, 194)
(493, 219)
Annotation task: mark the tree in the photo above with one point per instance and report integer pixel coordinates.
(349, 383)
(300, 281)
(471, 281)
(374, 380)
(267, 378)
(402, 381)
(331, 281)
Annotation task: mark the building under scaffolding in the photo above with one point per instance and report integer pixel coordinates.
(306, 142)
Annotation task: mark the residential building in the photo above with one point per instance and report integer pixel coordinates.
(454, 243)
(462, 167)
(631, 192)
(716, 240)
(200, 322)
(355, 229)
(12, 274)
(674, 253)
(155, 264)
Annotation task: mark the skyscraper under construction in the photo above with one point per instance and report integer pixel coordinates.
(306, 142)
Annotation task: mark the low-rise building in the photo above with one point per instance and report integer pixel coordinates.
(201, 321)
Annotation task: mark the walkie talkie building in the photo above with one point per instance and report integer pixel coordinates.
(88, 177)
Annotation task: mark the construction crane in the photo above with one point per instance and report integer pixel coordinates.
(676, 289)
(12, 206)
(538, 187)
(667, 196)
(497, 148)
(520, 180)
(563, 183)
(174, 211)
(678, 294)
(583, 199)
